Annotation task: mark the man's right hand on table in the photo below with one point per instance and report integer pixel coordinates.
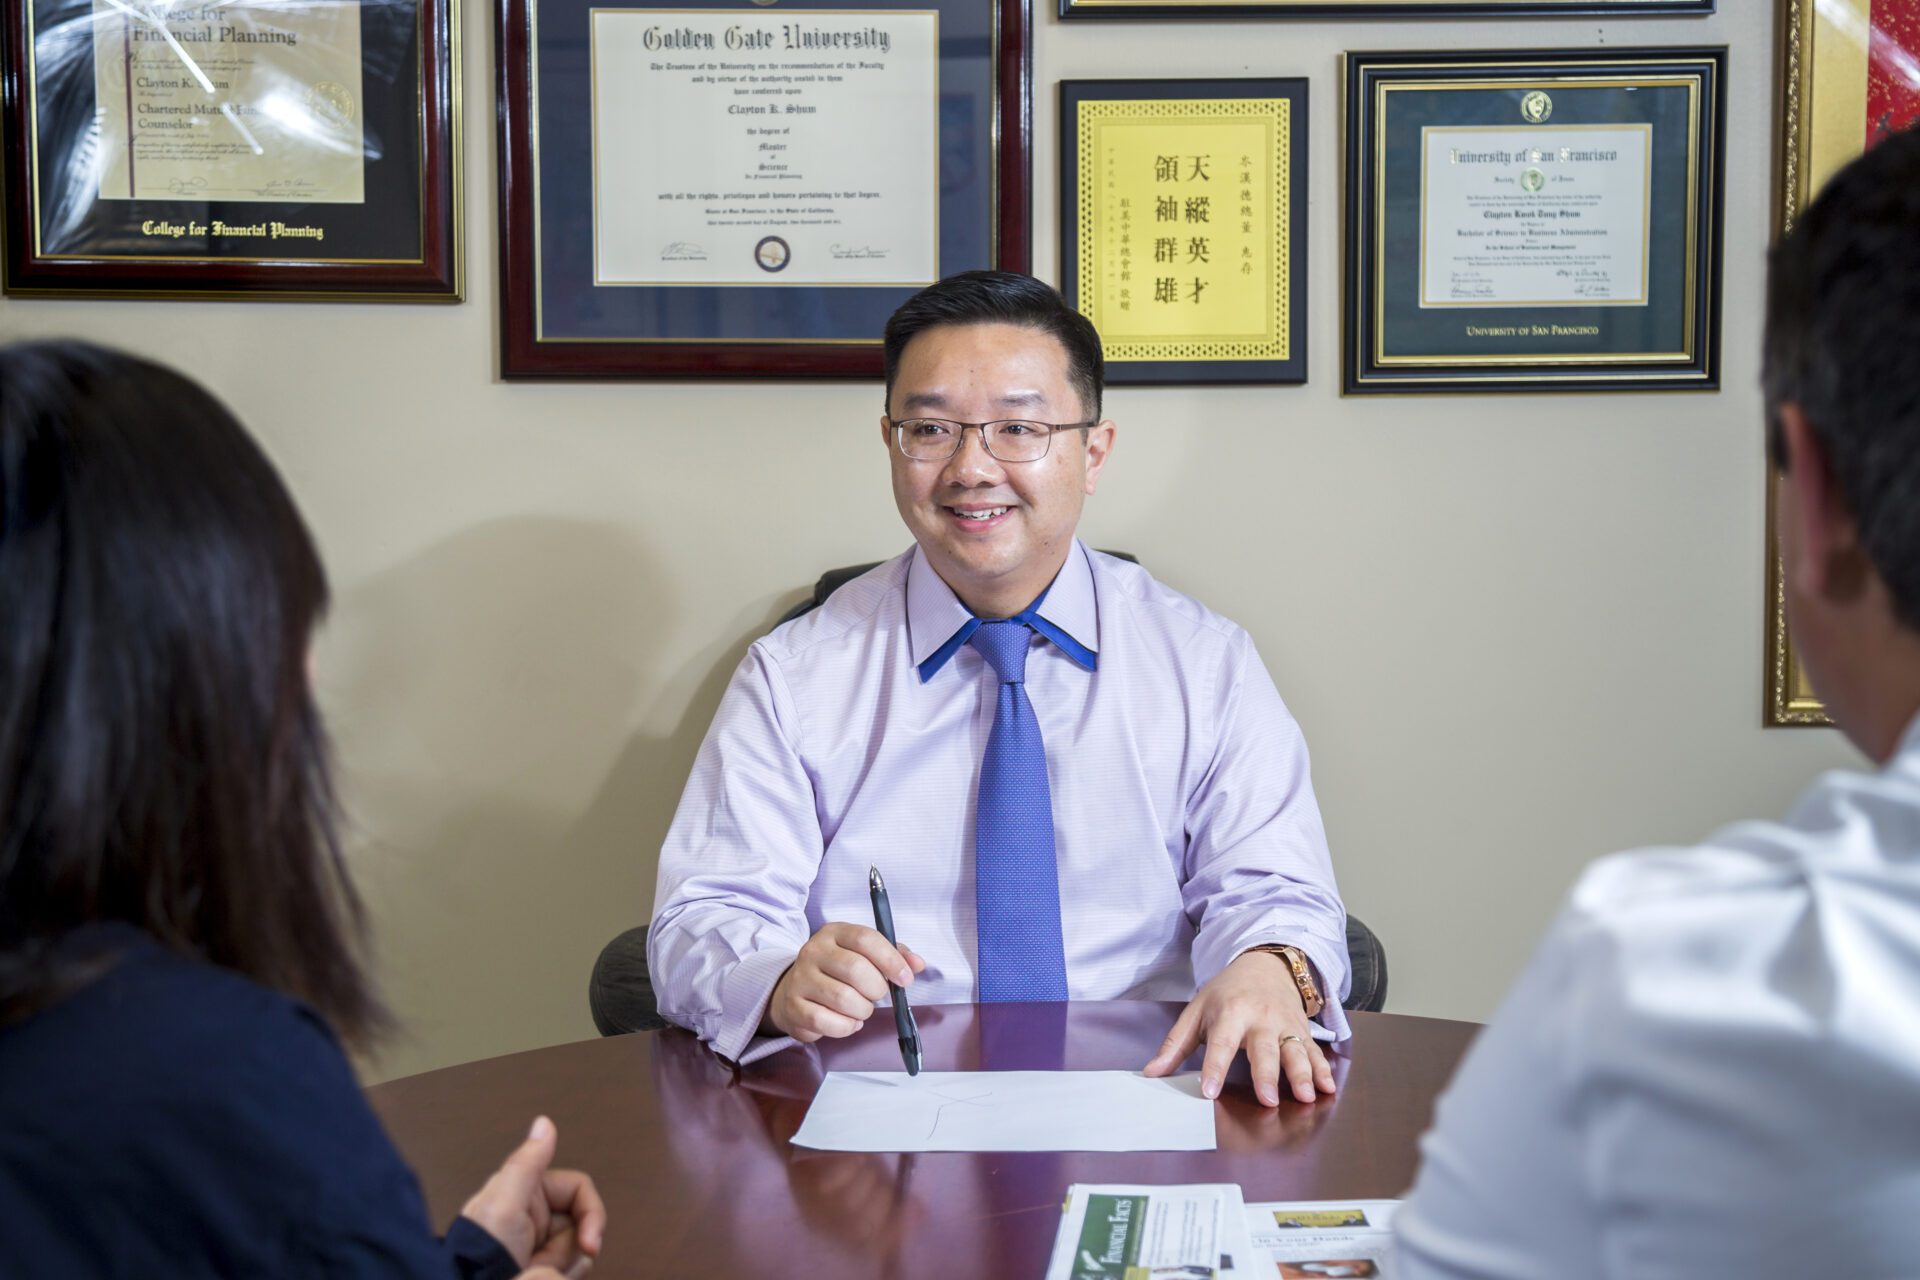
(837, 981)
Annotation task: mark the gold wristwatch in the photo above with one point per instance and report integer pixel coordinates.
(1296, 960)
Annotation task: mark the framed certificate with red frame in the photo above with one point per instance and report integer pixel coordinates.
(196, 148)
(722, 189)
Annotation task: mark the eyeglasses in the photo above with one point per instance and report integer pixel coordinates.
(1010, 440)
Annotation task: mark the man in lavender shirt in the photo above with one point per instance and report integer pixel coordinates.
(1190, 856)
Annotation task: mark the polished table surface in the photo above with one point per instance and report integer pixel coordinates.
(701, 1180)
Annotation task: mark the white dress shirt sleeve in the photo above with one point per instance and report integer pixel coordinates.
(730, 904)
(1258, 871)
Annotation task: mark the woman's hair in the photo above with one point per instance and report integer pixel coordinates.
(162, 763)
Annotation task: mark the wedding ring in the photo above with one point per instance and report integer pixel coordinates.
(1301, 1039)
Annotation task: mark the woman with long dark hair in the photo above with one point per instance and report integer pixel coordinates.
(180, 944)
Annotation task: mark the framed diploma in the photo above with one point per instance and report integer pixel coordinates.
(1533, 221)
(289, 148)
(1847, 80)
(729, 189)
(1183, 226)
(1375, 8)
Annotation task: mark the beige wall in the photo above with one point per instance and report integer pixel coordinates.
(1519, 632)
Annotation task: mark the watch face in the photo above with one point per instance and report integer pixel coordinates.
(772, 254)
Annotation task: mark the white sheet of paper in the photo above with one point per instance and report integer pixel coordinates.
(1007, 1111)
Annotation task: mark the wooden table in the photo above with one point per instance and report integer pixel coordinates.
(701, 1180)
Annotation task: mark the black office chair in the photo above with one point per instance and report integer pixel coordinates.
(620, 992)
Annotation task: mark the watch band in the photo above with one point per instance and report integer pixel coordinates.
(1296, 961)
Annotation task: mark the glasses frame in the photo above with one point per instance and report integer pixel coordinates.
(986, 438)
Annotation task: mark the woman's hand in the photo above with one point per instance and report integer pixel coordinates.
(546, 1218)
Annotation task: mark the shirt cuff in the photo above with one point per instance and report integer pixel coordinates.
(475, 1254)
(745, 992)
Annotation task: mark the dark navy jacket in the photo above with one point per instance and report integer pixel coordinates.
(175, 1119)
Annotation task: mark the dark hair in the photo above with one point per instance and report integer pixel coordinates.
(162, 763)
(1843, 343)
(1002, 297)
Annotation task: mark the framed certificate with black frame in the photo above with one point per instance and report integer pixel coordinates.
(1533, 221)
(1376, 8)
(729, 190)
(1183, 230)
(278, 148)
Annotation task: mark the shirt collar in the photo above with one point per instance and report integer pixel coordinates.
(938, 623)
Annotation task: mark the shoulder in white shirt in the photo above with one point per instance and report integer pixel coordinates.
(1710, 1068)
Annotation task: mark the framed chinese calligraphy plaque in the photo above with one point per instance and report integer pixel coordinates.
(1847, 80)
(1183, 229)
(1534, 220)
(281, 148)
(723, 189)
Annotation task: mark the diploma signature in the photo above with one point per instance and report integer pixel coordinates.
(681, 251)
(186, 186)
(845, 251)
(284, 188)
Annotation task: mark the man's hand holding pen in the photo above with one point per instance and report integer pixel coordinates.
(836, 981)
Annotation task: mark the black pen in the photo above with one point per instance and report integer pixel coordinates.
(902, 1015)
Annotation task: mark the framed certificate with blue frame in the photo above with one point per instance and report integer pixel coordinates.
(1534, 221)
(731, 190)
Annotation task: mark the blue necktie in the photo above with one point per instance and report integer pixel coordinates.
(1016, 881)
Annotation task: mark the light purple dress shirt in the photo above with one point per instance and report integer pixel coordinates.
(1184, 819)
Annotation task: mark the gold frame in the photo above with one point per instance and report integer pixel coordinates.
(1817, 136)
(1690, 347)
(1273, 342)
(1272, 349)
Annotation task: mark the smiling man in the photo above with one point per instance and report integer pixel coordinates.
(1078, 783)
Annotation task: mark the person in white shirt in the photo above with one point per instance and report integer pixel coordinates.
(1712, 1066)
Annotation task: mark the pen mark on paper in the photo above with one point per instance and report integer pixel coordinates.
(952, 1101)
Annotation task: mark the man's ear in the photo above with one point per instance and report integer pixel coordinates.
(1099, 445)
(886, 432)
(1818, 534)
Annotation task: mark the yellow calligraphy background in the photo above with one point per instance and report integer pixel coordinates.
(1183, 227)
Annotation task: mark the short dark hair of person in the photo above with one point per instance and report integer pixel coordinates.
(1002, 297)
(1843, 343)
(162, 762)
